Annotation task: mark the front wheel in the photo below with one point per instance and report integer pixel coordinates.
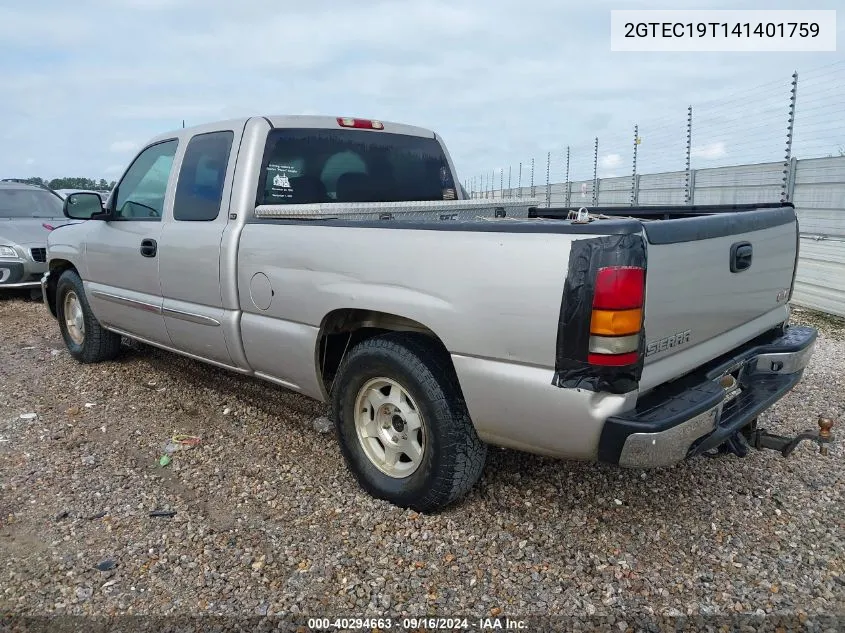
(86, 340)
(402, 424)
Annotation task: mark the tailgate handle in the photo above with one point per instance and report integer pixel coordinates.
(741, 257)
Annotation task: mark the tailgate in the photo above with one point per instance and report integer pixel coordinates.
(712, 283)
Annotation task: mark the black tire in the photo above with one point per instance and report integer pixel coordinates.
(98, 344)
(453, 456)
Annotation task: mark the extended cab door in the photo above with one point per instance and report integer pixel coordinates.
(121, 255)
(190, 246)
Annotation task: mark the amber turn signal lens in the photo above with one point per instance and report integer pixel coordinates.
(616, 322)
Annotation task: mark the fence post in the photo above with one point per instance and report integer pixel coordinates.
(548, 180)
(793, 165)
(519, 185)
(692, 173)
(533, 190)
(502, 183)
(688, 179)
(634, 179)
(510, 191)
(568, 184)
(788, 186)
(595, 173)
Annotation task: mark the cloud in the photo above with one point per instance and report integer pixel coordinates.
(710, 151)
(610, 161)
(29, 161)
(121, 147)
(112, 170)
(501, 86)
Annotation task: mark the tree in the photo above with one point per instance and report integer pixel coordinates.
(34, 181)
(73, 183)
(69, 183)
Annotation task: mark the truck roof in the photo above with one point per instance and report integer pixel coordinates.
(292, 121)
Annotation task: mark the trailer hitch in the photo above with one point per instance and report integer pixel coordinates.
(752, 437)
(760, 438)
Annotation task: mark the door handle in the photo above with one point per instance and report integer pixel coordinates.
(149, 248)
(741, 254)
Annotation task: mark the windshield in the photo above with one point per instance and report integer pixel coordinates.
(308, 165)
(29, 203)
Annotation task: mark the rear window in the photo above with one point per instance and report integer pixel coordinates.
(303, 166)
(29, 203)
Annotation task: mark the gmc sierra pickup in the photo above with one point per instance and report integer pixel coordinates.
(340, 258)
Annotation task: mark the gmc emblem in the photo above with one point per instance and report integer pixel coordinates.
(655, 347)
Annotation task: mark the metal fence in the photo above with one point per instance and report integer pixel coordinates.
(819, 197)
(781, 141)
(798, 116)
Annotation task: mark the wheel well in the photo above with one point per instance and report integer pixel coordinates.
(342, 329)
(57, 267)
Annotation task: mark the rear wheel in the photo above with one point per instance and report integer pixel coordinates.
(86, 340)
(402, 424)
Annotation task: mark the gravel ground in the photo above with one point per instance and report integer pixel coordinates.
(269, 521)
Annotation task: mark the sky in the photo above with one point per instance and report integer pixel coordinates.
(86, 82)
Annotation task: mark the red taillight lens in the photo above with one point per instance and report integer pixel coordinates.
(613, 360)
(619, 288)
(362, 124)
(617, 316)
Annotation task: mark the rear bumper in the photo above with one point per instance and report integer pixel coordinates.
(694, 414)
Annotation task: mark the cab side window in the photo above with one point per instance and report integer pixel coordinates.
(141, 193)
(199, 190)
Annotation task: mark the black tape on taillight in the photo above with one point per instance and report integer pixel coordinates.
(573, 333)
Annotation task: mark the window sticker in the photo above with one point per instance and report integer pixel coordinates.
(281, 180)
(279, 176)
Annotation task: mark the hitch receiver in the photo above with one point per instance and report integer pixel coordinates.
(760, 439)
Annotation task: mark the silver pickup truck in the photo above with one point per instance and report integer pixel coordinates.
(340, 259)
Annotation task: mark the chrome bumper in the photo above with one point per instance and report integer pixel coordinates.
(683, 420)
(664, 448)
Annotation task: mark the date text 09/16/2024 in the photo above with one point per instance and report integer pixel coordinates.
(429, 623)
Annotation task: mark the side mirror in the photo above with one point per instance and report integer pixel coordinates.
(84, 206)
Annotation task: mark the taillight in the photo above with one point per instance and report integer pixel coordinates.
(619, 288)
(617, 316)
(363, 124)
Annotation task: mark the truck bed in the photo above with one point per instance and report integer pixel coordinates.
(654, 212)
(485, 209)
(425, 211)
